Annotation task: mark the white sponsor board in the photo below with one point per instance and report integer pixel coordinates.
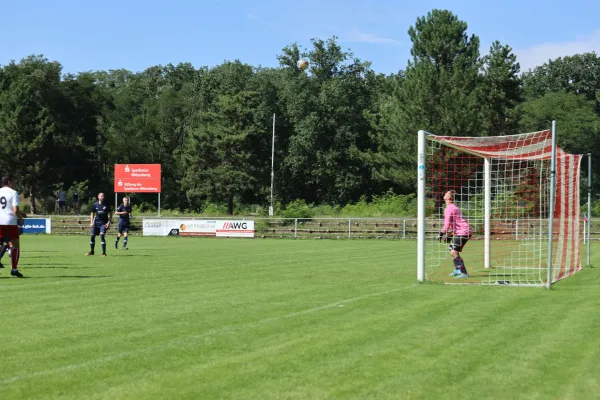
(198, 227)
(154, 227)
(235, 228)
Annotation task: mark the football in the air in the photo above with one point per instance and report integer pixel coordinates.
(303, 64)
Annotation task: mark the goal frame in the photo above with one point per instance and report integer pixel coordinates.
(487, 193)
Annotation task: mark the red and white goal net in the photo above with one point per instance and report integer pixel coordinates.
(503, 188)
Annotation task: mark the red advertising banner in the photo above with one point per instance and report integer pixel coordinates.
(137, 178)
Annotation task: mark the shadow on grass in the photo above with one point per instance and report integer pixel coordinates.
(29, 256)
(47, 265)
(132, 255)
(57, 276)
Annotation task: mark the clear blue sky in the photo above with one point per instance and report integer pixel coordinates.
(91, 35)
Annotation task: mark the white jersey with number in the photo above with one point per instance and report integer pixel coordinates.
(9, 199)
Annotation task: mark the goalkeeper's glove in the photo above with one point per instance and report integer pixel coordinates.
(446, 238)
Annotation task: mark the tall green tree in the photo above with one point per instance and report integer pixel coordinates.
(327, 108)
(145, 118)
(387, 157)
(219, 156)
(436, 94)
(578, 123)
(500, 92)
(579, 74)
(48, 126)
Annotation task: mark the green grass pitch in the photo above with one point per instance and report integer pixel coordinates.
(184, 318)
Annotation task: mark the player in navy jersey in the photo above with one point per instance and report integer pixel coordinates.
(124, 213)
(99, 222)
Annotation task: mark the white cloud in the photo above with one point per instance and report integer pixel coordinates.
(539, 54)
(358, 36)
(252, 16)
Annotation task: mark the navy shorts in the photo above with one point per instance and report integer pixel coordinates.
(123, 227)
(99, 229)
(458, 242)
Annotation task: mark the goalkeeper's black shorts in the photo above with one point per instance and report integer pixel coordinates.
(458, 242)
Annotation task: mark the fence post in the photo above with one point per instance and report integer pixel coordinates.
(403, 229)
(295, 227)
(349, 224)
(517, 229)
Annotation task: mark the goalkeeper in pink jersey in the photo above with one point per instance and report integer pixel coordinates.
(461, 232)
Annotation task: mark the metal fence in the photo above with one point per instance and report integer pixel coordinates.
(334, 228)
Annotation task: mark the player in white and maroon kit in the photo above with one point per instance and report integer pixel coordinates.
(10, 217)
(461, 233)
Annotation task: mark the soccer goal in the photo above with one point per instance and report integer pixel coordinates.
(519, 194)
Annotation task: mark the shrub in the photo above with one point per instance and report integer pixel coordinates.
(298, 209)
(214, 209)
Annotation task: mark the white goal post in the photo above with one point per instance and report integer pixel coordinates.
(520, 195)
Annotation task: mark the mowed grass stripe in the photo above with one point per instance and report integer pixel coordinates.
(102, 294)
(259, 332)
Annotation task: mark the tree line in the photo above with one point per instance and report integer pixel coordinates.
(343, 131)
